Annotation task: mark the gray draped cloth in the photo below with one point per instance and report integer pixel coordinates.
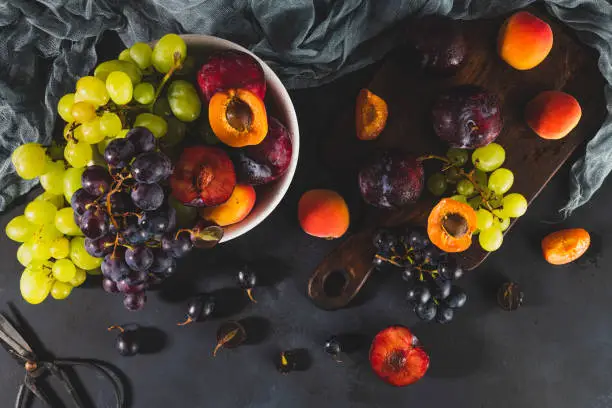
(45, 45)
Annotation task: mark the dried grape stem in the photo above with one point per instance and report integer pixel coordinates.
(227, 338)
(121, 329)
(250, 295)
(186, 322)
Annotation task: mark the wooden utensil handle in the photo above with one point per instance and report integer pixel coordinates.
(343, 272)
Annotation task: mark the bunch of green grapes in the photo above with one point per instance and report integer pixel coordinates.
(52, 248)
(121, 94)
(484, 188)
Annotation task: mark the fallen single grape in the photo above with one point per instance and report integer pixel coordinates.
(247, 279)
(200, 307)
(127, 342)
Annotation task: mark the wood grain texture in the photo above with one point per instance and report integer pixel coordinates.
(410, 93)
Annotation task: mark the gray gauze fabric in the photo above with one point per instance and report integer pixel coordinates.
(45, 45)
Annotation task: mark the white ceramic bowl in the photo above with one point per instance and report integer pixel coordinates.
(270, 195)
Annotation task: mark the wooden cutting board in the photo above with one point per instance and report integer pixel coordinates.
(410, 93)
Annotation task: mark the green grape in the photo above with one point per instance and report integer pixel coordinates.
(63, 270)
(83, 111)
(55, 151)
(119, 87)
(92, 90)
(475, 202)
(453, 175)
(102, 145)
(60, 290)
(79, 277)
(460, 198)
(144, 93)
(129, 67)
(491, 239)
(457, 156)
(110, 124)
(141, 55)
(157, 125)
(80, 257)
(24, 253)
(500, 222)
(29, 160)
(436, 184)
(40, 249)
(167, 51)
(40, 212)
(484, 218)
(94, 272)
(72, 181)
(52, 180)
(514, 205)
(60, 248)
(480, 178)
(64, 107)
(185, 216)
(91, 132)
(489, 157)
(184, 101)
(126, 57)
(78, 154)
(34, 286)
(19, 229)
(176, 132)
(465, 187)
(122, 134)
(501, 180)
(49, 233)
(189, 67)
(56, 200)
(64, 222)
(162, 108)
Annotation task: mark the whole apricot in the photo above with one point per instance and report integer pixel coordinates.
(524, 40)
(323, 214)
(234, 210)
(565, 246)
(553, 114)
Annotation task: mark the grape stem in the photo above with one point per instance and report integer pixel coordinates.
(111, 328)
(250, 295)
(175, 67)
(227, 338)
(187, 321)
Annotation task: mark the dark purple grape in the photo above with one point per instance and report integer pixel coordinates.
(139, 258)
(418, 294)
(96, 180)
(444, 314)
(151, 167)
(109, 286)
(159, 222)
(119, 152)
(147, 197)
(384, 240)
(177, 246)
(134, 234)
(94, 223)
(457, 298)
(100, 246)
(114, 266)
(121, 202)
(142, 139)
(426, 311)
(135, 301)
(79, 201)
(442, 289)
(135, 282)
(163, 263)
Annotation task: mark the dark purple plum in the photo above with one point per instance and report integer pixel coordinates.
(467, 116)
(267, 161)
(439, 44)
(391, 179)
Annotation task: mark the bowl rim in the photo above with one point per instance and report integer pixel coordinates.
(287, 109)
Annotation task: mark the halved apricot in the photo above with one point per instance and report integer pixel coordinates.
(234, 210)
(238, 117)
(370, 115)
(565, 246)
(203, 176)
(451, 224)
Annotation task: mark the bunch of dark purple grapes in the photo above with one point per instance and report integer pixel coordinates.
(429, 272)
(123, 212)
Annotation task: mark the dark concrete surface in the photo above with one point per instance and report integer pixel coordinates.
(553, 352)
